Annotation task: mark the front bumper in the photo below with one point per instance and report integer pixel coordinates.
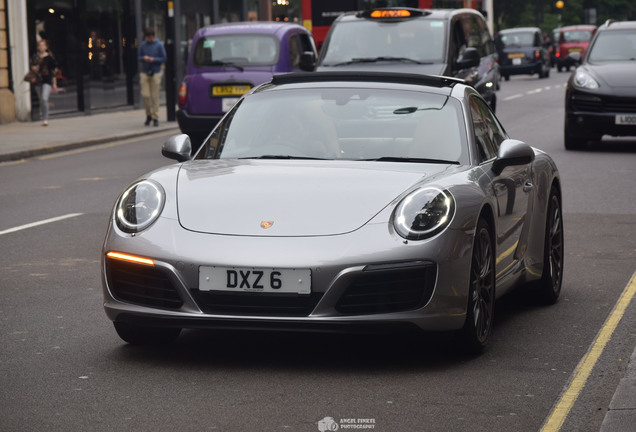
(524, 69)
(356, 284)
(591, 116)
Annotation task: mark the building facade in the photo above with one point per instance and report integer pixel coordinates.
(95, 45)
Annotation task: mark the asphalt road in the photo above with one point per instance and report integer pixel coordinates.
(62, 366)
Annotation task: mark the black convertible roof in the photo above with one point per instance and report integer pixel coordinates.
(379, 77)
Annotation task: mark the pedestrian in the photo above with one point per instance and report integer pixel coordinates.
(44, 65)
(152, 56)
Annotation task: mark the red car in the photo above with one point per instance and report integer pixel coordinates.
(572, 39)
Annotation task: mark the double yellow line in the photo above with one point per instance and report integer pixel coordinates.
(584, 369)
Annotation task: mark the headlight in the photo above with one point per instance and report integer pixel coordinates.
(424, 213)
(139, 206)
(584, 80)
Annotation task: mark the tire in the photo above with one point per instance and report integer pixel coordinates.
(477, 329)
(549, 287)
(139, 335)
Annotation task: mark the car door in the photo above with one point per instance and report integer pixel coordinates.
(471, 31)
(464, 34)
(512, 188)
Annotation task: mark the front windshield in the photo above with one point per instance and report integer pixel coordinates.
(614, 46)
(419, 40)
(341, 123)
(576, 36)
(517, 39)
(236, 49)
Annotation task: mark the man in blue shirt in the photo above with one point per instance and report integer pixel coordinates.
(152, 56)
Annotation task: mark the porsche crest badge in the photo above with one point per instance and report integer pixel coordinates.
(266, 224)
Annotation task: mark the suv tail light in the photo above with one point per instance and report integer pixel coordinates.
(183, 94)
(537, 55)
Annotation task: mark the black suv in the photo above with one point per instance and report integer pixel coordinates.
(454, 43)
(600, 97)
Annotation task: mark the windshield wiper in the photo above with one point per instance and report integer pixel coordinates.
(222, 63)
(378, 59)
(410, 159)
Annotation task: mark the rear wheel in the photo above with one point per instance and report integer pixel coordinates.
(481, 296)
(549, 287)
(138, 335)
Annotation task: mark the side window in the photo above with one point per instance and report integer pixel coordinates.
(294, 51)
(486, 39)
(488, 131)
(472, 33)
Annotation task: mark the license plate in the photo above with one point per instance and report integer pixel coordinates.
(230, 90)
(247, 279)
(228, 103)
(516, 61)
(626, 119)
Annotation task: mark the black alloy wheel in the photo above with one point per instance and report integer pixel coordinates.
(481, 297)
(553, 255)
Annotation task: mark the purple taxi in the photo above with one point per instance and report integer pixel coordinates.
(227, 60)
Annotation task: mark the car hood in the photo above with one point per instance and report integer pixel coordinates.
(618, 76)
(298, 198)
(385, 66)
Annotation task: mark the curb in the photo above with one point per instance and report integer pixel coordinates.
(40, 151)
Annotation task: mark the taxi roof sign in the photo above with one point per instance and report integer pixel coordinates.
(391, 13)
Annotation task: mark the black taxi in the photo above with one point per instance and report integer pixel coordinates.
(446, 42)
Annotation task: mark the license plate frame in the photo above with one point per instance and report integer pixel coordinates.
(255, 280)
(625, 119)
(224, 90)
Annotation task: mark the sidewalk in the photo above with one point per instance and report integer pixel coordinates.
(20, 140)
(23, 140)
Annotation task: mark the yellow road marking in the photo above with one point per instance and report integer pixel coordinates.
(506, 253)
(585, 366)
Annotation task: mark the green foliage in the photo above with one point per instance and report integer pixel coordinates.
(544, 13)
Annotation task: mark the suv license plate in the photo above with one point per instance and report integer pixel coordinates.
(626, 119)
(248, 279)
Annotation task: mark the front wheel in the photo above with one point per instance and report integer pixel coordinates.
(549, 287)
(139, 335)
(481, 294)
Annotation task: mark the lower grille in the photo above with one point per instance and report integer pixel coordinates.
(386, 291)
(142, 285)
(250, 304)
(603, 104)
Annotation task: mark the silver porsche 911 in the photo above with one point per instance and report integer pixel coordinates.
(337, 202)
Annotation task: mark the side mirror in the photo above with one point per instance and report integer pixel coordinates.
(178, 147)
(470, 59)
(512, 152)
(307, 61)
